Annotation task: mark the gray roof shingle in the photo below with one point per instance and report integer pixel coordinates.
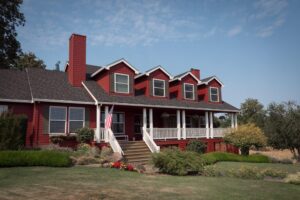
(103, 97)
(14, 85)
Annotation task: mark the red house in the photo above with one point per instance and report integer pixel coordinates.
(151, 109)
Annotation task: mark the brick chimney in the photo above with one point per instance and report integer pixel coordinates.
(196, 72)
(77, 60)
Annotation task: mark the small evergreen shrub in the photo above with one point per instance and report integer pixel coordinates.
(34, 158)
(58, 139)
(13, 131)
(196, 146)
(175, 162)
(85, 135)
(211, 158)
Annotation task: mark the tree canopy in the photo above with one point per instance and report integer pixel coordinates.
(10, 18)
(26, 60)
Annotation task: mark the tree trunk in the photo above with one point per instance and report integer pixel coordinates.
(245, 151)
(298, 154)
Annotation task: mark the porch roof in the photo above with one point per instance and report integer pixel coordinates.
(102, 97)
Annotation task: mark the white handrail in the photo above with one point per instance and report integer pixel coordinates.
(220, 132)
(150, 142)
(164, 133)
(195, 132)
(114, 142)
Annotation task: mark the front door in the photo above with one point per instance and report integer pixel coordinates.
(138, 124)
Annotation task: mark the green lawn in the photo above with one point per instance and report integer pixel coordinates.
(98, 183)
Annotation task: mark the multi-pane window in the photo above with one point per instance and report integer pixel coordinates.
(214, 94)
(189, 91)
(3, 108)
(118, 122)
(76, 119)
(192, 121)
(158, 87)
(121, 83)
(57, 119)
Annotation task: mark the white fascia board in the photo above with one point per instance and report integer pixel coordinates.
(90, 93)
(16, 101)
(62, 101)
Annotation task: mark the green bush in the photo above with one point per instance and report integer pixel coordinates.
(34, 158)
(175, 162)
(13, 131)
(57, 139)
(211, 158)
(196, 146)
(85, 135)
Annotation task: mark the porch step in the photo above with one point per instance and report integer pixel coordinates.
(136, 151)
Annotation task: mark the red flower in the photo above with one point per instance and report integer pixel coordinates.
(130, 167)
(116, 164)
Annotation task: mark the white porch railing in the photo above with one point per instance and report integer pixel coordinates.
(150, 142)
(164, 133)
(220, 132)
(114, 142)
(195, 132)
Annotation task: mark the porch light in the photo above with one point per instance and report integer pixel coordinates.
(165, 115)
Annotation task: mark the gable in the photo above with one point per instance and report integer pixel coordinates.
(159, 74)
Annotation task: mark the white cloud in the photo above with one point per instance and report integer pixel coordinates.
(234, 31)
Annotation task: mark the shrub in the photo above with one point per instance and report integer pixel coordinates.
(245, 136)
(293, 178)
(13, 131)
(55, 147)
(211, 158)
(175, 162)
(84, 135)
(196, 146)
(34, 158)
(58, 139)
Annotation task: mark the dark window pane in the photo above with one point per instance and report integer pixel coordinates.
(74, 125)
(159, 92)
(57, 126)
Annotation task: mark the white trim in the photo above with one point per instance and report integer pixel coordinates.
(155, 79)
(69, 118)
(49, 122)
(218, 93)
(115, 83)
(115, 63)
(184, 84)
(212, 78)
(16, 101)
(90, 93)
(184, 75)
(63, 101)
(147, 73)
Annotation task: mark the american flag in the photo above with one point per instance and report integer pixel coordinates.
(109, 117)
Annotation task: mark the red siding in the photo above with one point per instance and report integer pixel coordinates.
(177, 87)
(203, 90)
(103, 80)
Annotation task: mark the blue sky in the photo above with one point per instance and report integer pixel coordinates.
(252, 46)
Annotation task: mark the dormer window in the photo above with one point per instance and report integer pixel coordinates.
(214, 94)
(189, 91)
(121, 83)
(159, 88)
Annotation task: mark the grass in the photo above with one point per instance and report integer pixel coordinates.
(99, 183)
(222, 156)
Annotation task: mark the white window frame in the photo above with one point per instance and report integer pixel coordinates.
(184, 84)
(4, 108)
(69, 118)
(214, 94)
(124, 125)
(115, 83)
(153, 87)
(66, 110)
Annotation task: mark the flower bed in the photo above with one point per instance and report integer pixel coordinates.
(122, 165)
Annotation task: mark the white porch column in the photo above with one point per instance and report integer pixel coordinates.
(106, 131)
(144, 119)
(232, 120)
(98, 120)
(236, 123)
(151, 122)
(211, 125)
(206, 125)
(178, 124)
(183, 125)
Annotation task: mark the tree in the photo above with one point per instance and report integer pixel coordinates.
(252, 111)
(245, 136)
(26, 60)
(10, 18)
(282, 127)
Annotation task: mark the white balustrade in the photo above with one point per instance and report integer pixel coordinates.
(164, 133)
(114, 142)
(220, 132)
(195, 132)
(150, 142)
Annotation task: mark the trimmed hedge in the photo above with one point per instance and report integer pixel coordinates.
(211, 158)
(34, 158)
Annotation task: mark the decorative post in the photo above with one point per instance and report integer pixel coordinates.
(232, 120)
(151, 122)
(144, 119)
(183, 125)
(178, 124)
(106, 131)
(206, 125)
(236, 123)
(211, 125)
(98, 123)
